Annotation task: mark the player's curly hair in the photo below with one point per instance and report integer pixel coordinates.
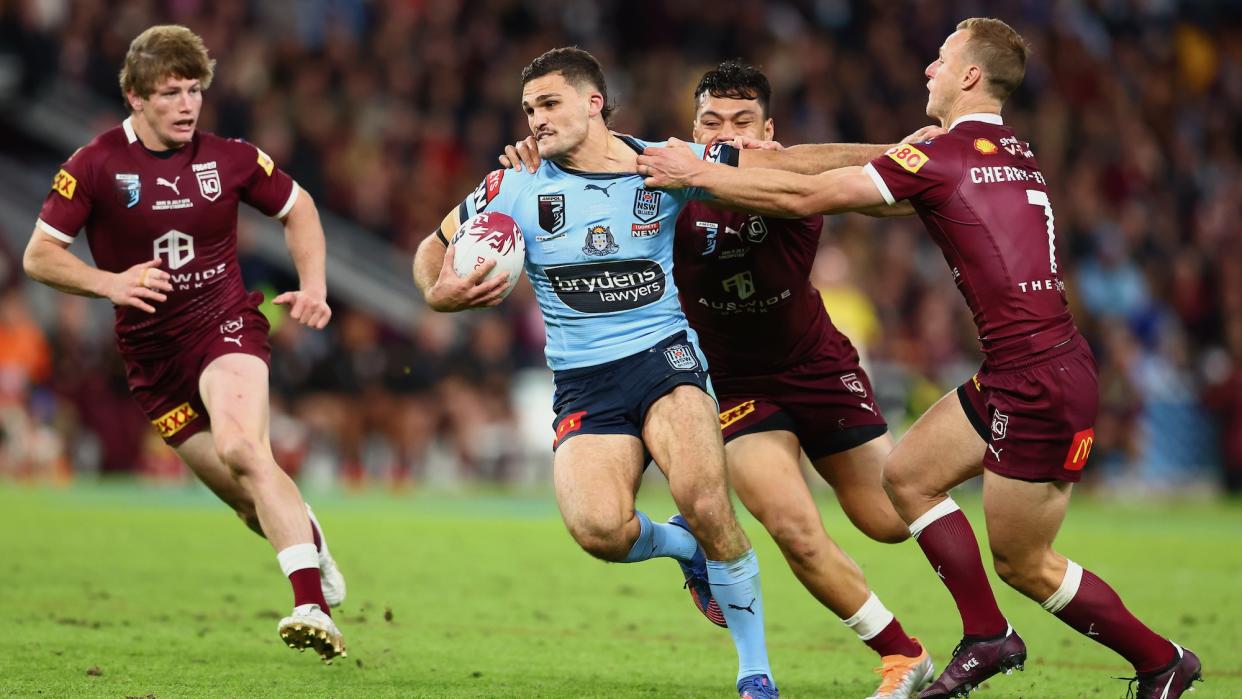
(165, 50)
(1000, 51)
(738, 80)
(578, 67)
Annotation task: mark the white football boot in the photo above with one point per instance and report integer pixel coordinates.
(330, 577)
(309, 627)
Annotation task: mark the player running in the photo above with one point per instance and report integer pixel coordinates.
(631, 383)
(786, 379)
(158, 200)
(1025, 419)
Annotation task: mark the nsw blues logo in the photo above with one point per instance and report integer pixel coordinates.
(128, 189)
(599, 242)
(681, 357)
(647, 205)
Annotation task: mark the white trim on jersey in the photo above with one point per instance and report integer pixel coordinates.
(985, 117)
(43, 226)
(128, 125)
(293, 197)
(880, 184)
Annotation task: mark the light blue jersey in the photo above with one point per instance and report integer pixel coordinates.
(599, 253)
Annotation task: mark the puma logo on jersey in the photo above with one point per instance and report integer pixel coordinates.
(234, 339)
(602, 189)
(171, 185)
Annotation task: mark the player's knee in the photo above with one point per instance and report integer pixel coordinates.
(1017, 571)
(239, 452)
(901, 484)
(602, 539)
(886, 530)
(800, 537)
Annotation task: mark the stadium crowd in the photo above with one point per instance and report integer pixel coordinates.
(389, 112)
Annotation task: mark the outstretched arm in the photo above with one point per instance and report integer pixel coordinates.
(304, 238)
(764, 191)
(48, 260)
(814, 158)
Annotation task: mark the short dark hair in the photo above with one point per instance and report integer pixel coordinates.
(738, 80)
(577, 67)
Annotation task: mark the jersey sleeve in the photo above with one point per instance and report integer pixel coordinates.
(68, 204)
(266, 187)
(919, 172)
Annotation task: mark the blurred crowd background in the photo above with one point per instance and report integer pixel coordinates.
(390, 111)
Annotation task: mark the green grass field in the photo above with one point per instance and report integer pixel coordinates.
(123, 591)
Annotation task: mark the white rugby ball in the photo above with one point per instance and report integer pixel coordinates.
(490, 235)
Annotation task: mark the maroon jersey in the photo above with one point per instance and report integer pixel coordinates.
(744, 282)
(982, 197)
(180, 206)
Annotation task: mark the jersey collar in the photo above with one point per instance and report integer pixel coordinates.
(985, 117)
(128, 125)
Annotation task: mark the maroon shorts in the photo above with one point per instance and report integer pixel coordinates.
(827, 403)
(166, 387)
(1038, 419)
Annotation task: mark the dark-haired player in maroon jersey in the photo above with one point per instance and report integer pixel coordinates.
(1025, 419)
(788, 381)
(158, 201)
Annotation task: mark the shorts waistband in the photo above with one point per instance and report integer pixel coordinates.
(582, 371)
(1061, 348)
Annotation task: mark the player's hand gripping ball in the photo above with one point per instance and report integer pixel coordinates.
(490, 235)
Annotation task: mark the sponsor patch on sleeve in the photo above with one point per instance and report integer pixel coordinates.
(265, 161)
(911, 159)
(173, 421)
(65, 184)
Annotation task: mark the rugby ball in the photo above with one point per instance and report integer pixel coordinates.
(490, 235)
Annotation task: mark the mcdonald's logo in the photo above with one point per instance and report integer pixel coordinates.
(1080, 449)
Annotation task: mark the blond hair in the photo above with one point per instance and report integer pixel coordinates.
(163, 51)
(1000, 51)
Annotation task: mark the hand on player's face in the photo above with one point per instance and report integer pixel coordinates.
(453, 292)
(139, 284)
(670, 167)
(523, 153)
(748, 143)
(308, 307)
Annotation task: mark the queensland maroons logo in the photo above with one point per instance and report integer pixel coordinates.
(501, 238)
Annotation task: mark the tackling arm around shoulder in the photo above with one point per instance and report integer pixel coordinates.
(814, 158)
(763, 191)
(445, 290)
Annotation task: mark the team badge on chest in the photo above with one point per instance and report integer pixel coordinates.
(128, 189)
(208, 180)
(647, 205)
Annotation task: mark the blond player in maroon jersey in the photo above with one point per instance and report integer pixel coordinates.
(158, 201)
(1025, 420)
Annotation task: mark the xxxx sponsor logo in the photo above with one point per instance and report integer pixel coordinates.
(736, 413)
(65, 184)
(173, 421)
(1080, 449)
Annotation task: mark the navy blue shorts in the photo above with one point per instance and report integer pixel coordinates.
(613, 398)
